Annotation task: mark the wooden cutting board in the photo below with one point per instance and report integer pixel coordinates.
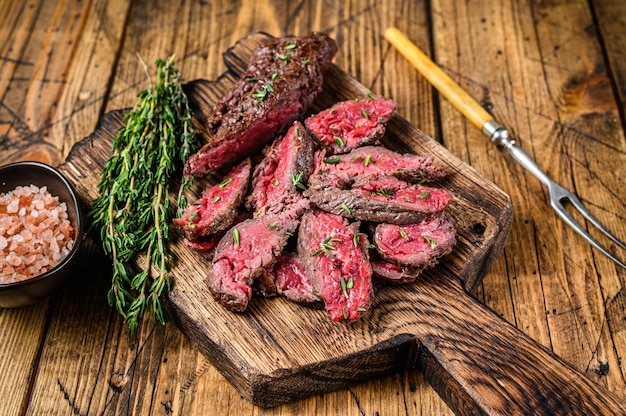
(279, 351)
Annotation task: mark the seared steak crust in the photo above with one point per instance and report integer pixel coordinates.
(282, 80)
(336, 260)
(382, 199)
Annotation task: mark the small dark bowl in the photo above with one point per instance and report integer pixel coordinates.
(27, 292)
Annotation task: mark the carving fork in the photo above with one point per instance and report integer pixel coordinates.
(480, 118)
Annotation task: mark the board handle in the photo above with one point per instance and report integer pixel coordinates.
(481, 364)
(463, 102)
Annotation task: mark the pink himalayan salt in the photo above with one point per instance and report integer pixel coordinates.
(35, 233)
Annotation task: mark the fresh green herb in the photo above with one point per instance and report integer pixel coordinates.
(371, 96)
(424, 195)
(290, 45)
(331, 111)
(355, 239)
(345, 314)
(332, 160)
(371, 246)
(132, 213)
(367, 117)
(272, 226)
(402, 233)
(317, 252)
(421, 181)
(253, 79)
(384, 191)
(295, 179)
(350, 283)
(236, 236)
(216, 198)
(274, 76)
(276, 182)
(306, 61)
(261, 94)
(361, 309)
(346, 208)
(225, 182)
(333, 127)
(367, 160)
(287, 233)
(344, 287)
(339, 141)
(285, 58)
(433, 243)
(192, 216)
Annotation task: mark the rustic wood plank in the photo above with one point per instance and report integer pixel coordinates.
(544, 77)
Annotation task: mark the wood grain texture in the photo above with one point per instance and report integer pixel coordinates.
(518, 59)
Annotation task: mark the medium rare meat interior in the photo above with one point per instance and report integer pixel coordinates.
(294, 229)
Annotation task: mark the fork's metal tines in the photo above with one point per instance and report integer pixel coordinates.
(558, 194)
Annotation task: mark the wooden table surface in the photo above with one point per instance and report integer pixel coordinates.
(553, 72)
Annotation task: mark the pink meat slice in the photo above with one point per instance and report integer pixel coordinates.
(335, 257)
(216, 210)
(351, 124)
(292, 281)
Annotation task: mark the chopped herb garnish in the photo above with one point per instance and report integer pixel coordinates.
(331, 111)
(424, 195)
(408, 200)
(339, 141)
(402, 233)
(225, 182)
(367, 160)
(361, 309)
(344, 287)
(253, 79)
(333, 127)
(332, 160)
(306, 61)
(192, 216)
(367, 117)
(421, 181)
(345, 314)
(297, 131)
(287, 233)
(262, 93)
(276, 182)
(290, 45)
(370, 95)
(431, 241)
(236, 236)
(317, 252)
(274, 76)
(346, 208)
(285, 58)
(355, 239)
(355, 158)
(272, 226)
(295, 179)
(216, 198)
(371, 246)
(350, 283)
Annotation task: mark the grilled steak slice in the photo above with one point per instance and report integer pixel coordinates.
(282, 80)
(383, 199)
(292, 281)
(244, 253)
(378, 160)
(392, 274)
(279, 178)
(336, 260)
(351, 124)
(418, 245)
(217, 208)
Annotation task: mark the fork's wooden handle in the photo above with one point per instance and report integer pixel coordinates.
(468, 106)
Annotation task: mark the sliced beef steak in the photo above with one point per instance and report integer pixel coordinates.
(390, 273)
(279, 178)
(378, 160)
(245, 252)
(418, 245)
(335, 257)
(216, 210)
(292, 281)
(282, 80)
(383, 199)
(351, 124)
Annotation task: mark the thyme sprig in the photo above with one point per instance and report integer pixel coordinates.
(133, 212)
